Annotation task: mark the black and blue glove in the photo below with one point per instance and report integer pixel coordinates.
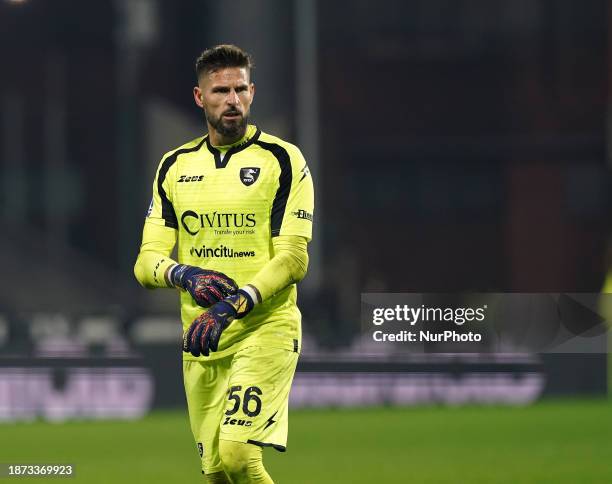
(203, 335)
(206, 287)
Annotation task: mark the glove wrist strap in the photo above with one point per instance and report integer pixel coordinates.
(253, 292)
(175, 274)
(167, 277)
(242, 302)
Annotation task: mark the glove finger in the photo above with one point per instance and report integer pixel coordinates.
(227, 290)
(205, 340)
(199, 293)
(230, 286)
(203, 299)
(187, 337)
(215, 336)
(226, 284)
(210, 290)
(215, 292)
(195, 340)
(186, 341)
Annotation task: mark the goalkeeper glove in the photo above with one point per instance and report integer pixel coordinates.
(204, 333)
(206, 287)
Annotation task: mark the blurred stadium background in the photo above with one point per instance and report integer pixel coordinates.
(456, 145)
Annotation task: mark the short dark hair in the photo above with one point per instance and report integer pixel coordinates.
(221, 56)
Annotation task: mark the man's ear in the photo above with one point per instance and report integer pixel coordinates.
(198, 97)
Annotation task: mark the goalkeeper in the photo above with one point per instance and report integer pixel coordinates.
(240, 204)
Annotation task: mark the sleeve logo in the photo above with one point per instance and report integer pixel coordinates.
(302, 214)
(249, 175)
(305, 172)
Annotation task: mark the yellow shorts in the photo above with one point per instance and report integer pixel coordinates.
(243, 397)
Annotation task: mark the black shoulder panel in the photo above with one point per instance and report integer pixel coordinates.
(167, 209)
(284, 184)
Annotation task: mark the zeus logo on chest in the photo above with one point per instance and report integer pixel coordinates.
(190, 178)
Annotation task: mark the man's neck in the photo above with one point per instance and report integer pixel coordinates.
(217, 140)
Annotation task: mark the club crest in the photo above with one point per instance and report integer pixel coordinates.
(248, 176)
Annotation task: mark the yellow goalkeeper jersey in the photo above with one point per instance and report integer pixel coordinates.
(224, 205)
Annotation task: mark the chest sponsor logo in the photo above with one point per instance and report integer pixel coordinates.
(302, 214)
(222, 223)
(220, 252)
(190, 178)
(248, 176)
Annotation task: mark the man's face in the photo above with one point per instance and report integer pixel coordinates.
(225, 96)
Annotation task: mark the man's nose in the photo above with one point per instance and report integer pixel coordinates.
(232, 98)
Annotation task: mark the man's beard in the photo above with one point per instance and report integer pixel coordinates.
(233, 130)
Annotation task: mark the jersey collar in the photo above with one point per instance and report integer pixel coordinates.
(250, 137)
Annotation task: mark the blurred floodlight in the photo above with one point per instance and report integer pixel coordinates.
(16, 1)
